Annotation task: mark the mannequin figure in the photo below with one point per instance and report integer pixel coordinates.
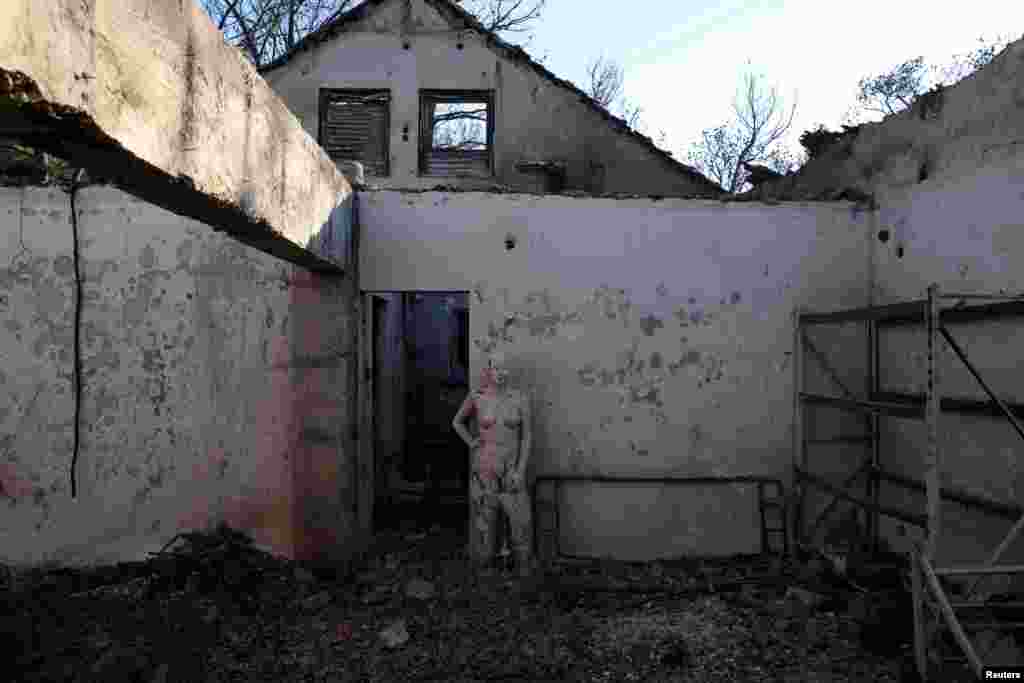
(498, 461)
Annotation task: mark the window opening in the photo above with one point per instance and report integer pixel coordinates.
(354, 126)
(457, 133)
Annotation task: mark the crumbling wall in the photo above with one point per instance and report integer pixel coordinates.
(215, 385)
(536, 119)
(151, 97)
(655, 338)
(945, 179)
(961, 228)
(940, 141)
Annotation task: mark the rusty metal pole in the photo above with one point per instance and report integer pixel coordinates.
(946, 610)
(799, 454)
(917, 595)
(874, 368)
(932, 413)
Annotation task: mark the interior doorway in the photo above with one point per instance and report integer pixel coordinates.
(420, 377)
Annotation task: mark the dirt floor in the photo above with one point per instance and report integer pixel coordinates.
(212, 608)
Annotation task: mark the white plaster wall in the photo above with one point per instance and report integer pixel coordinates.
(535, 119)
(965, 232)
(947, 176)
(654, 337)
(210, 392)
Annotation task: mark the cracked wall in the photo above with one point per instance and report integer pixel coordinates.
(654, 338)
(215, 385)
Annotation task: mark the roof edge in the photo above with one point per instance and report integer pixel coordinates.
(457, 15)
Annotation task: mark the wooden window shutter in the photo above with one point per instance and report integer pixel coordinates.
(355, 126)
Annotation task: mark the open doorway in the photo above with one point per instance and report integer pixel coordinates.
(420, 377)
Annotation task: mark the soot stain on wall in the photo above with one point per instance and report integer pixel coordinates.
(649, 324)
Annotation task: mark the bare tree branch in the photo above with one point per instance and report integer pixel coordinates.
(761, 121)
(473, 114)
(267, 29)
(605, 86)
(605, 81)
(459, 126)
(506, 16)
(895, 90)
(632, 113)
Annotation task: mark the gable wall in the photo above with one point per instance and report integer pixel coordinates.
(535, 119)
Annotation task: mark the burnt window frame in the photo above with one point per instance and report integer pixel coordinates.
(325, 95)
(430, 97)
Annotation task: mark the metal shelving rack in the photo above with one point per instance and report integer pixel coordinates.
(929, 596)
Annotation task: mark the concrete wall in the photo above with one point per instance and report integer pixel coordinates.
(215, 386)
(654, 337)
(963, 230)
(965, 233)
(150, 96)
(946, 176)
(535, 118)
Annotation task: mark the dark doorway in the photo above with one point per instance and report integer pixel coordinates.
(421, 359)
(382, 390)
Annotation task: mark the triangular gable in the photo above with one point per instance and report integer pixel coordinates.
(459, 18)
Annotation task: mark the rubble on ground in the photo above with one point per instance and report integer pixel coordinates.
(212, 607)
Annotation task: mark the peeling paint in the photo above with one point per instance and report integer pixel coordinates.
(152, 393)
(479, 290)
(588, 374)
(696, 435)
(614, 303)
(649, 324)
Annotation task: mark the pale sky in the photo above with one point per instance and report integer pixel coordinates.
(683, 59)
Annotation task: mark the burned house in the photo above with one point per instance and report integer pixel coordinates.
(422, 95)
(224, 331)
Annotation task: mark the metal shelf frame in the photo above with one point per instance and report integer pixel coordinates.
(928, 590)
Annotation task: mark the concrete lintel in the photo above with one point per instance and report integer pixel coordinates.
(150, 97)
